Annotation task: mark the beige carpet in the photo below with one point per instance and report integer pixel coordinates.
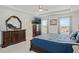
(22, 47)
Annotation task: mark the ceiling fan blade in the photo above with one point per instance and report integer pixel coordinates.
(46, 9)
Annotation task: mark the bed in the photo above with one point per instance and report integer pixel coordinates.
(52, 43)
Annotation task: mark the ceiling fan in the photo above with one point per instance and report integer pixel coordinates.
(42, 8)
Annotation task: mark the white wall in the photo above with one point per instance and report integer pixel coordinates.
(54, 28)
(5, 13)
(75, 20)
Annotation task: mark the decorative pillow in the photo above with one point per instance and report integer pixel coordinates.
(73, 35)
(77, 37)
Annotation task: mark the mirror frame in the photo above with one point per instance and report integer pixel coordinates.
(17, 19)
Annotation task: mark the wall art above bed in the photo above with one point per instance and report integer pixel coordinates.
(53, 21)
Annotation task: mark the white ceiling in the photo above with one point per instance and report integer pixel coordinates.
(34, 9)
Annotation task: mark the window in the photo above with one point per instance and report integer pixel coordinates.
(65, 25)
(44, 26)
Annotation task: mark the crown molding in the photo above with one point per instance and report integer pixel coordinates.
(16, 9)
(64, 11)
(56, 12)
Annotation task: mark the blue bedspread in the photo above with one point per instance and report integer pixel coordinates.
(52, 47)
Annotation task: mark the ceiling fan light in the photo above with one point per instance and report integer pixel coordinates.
(40, 9)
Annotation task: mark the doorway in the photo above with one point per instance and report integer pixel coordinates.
(36, 26)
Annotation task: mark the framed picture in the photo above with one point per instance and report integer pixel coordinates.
(53, 21)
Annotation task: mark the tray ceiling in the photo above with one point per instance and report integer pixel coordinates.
(34, 9)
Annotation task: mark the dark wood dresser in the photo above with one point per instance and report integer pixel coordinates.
(13, 37)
